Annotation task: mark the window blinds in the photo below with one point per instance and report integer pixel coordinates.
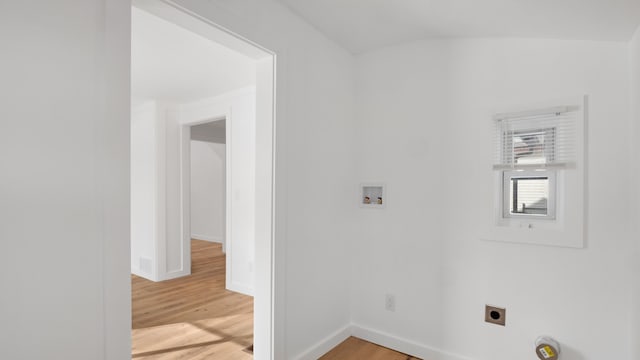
(536, 139)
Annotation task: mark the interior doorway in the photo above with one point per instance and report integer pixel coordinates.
(169, 258)
(208, 194)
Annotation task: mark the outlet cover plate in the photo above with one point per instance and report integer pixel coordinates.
(390, 302)
(495, 315)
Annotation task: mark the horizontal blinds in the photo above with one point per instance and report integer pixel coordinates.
(537, 139)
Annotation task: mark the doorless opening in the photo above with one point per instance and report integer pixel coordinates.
(208, 196)
(264, 93)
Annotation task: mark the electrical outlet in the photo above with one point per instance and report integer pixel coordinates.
(390, 302)
(495, 315)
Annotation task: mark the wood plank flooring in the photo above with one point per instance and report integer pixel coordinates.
(193, 317)
(196, 318)
(354, 348)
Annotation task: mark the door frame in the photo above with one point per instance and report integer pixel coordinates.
(185, 189)
(264, 298)
(185, 177)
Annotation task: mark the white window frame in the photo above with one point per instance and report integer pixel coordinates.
(507, 175)
(568, 228)
(527, 170)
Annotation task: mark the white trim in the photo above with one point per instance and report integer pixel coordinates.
(325, 345)
(377, 337)
(198, 113)
(160, 182)
(403, 345)
(185, 194)
(566, 165)
(240, 288)
(175, 274)
(520, 114)
(506, 194)
(135, 270)
(269, 275)
(183, 17)
(216, 239)
(228, 199)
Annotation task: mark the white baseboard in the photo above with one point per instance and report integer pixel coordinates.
(325, 345)
(403, 345)
(240, 288)
(216, 239)
(377, 337)
(175, 274)
(143, 274)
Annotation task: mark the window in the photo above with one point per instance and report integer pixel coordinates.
(539, 177)
(529, 194)
(532, 148)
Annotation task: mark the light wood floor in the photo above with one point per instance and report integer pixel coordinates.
(196, 318)
(354, 348)
(193, 317)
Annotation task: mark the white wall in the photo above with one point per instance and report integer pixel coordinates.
(172, 64)
(145, 130)
(161, 148)
(634, 62)
(148, 190)
(425, 128)
(78, 56)
(314, 107)
(161, 145)
(403, 105)
(492, 74)
(207, 191)
(64, 149)
(79, 170)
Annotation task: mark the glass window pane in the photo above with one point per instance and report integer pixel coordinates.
(535, 146)
(529, 195)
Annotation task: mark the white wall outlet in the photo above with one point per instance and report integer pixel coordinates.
(390, 302)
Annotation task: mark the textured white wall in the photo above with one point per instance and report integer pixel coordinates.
(425, 128)
(207, 190)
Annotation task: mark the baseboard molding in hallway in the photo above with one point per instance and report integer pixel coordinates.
(405, 346)
(325, 345)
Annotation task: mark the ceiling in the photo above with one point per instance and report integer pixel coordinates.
(214, 131)
(364, 25)
(171, 64)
